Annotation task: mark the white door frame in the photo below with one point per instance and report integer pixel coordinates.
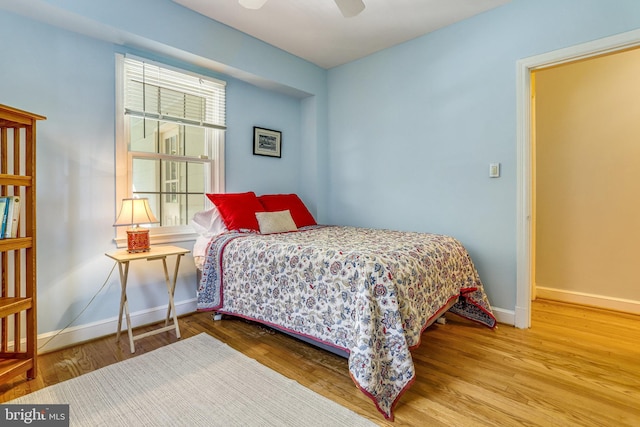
(522, 315)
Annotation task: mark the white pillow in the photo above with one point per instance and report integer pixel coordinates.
(208, 222)
(275, 222)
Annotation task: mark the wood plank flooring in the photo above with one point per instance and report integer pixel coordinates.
(576, 366)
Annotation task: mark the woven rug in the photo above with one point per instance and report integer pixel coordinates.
(198, 381)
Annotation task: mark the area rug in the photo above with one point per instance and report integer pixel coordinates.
(198, 381)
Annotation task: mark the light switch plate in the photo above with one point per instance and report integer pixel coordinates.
(494, 170)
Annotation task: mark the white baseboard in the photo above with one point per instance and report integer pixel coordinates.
(504, 316)
(581, 298)
(55, 340)
(76, 334)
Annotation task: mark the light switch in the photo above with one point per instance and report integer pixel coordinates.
(494, 170)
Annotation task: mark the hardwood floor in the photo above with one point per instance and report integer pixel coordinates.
(576, 366)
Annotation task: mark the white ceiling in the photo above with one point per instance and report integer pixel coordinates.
(316, 30)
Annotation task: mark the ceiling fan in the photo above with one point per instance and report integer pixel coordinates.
(348, 8)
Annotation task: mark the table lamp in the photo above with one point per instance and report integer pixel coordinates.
(133, 213)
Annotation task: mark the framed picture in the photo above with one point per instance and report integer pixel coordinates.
(266, 142)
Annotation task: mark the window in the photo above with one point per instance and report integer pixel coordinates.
(170, 142)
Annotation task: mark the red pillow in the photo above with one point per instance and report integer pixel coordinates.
(281, 202)
(238, 210)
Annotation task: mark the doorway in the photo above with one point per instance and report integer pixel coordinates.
(586, 181)
(525, 218)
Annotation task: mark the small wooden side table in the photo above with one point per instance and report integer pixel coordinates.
(122, 257)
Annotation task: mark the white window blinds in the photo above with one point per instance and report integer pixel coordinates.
(160, 93)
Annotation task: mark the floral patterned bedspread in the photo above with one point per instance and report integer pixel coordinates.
(369, 292)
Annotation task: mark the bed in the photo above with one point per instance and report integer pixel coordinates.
(366, 293)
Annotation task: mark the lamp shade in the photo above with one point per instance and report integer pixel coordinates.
(135, 212)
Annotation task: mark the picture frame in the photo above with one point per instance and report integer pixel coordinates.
(267, 142)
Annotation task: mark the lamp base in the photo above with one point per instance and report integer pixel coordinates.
(138, 240)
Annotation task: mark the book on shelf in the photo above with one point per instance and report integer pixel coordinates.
(13, 217)
(4, 208)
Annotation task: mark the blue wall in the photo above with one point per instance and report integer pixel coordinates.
(414, 128)
(400, 139)
(66, 72)
(248, 106)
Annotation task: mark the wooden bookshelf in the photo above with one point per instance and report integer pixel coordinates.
(18, 328)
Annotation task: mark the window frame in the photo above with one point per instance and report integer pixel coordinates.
(124, 162)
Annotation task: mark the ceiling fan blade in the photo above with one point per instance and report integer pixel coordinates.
(350, 8)
(252, 4)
